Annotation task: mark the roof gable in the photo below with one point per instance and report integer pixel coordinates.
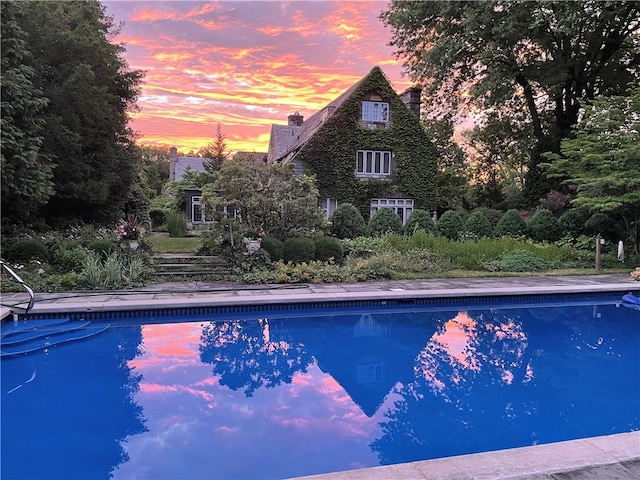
(375, 80)
(182, 163)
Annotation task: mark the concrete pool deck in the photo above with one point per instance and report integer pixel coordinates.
(609, 457)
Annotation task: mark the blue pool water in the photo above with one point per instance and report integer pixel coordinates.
(287, 393)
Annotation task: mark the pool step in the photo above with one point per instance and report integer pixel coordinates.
(29, 336)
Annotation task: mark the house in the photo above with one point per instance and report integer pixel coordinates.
(178, 166)
(367, 147)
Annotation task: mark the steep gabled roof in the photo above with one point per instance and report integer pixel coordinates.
(282, 138)
(288, 139)
(196, 164)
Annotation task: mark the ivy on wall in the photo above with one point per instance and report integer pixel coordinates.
(331, 152)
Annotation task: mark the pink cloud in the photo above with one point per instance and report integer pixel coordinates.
(245, 65)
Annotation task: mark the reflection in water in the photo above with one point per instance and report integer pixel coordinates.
(69, 422)
(464, 348)
(280, 397)
(494, 379)
(244, 354)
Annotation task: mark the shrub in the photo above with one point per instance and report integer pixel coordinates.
(210, 242)
(347, 222)
(68, 256)
(176, 224)
(544, 226)
(63, 282)
(510, 224)
(158, 217)
(360, 247)
(573, 222)
(117, 271)
(411, 263)
(491, 214)
(299, 249)
(597, 224)
(450, 225)
(329, 247)
(28, 249)
(518, 261)
(478, 225)
(420, 220)
(102, 247)
(385, 220)
(274, 247)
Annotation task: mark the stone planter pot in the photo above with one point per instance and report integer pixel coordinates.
(131, 245)
(252, 246)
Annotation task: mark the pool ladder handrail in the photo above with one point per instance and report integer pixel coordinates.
(21, 282)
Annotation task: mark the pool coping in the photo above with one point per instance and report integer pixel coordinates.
(612, 452)
(611, 456)
(298, 294)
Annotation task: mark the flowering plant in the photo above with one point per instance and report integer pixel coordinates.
(636, 274)
(255, 234)
(130, 229)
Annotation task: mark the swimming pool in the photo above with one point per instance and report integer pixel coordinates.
(289, 392)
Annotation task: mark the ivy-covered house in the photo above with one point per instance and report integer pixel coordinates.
(367, 147)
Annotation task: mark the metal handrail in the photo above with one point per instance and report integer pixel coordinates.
(15, 276)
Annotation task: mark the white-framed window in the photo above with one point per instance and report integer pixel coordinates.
(197, 214)
(373, 163)
(375, 112)
(329, 205)
(402, 206)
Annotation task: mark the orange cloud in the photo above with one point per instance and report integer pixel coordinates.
(245, 65)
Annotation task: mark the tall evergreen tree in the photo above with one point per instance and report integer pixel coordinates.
(216, 152)
(90, 90)
(26, 170)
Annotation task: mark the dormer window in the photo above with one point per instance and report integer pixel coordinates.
(375, 112)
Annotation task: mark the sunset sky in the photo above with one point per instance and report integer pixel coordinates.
(245, 64)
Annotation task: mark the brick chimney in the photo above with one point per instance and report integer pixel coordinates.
(173, 158)
(411, 98)
(295, 120)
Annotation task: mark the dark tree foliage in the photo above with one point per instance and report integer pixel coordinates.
(89, 90)
(26, 170)
(547, 57)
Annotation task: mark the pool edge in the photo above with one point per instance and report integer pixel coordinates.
(604, 453)
(117, 301)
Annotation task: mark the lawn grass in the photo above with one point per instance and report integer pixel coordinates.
(174, 244)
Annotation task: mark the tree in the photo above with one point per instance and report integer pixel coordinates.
(155, 169)
(216, 152)
(26, 170)
(602, 160)
(498, 149)
(547, 57)
(90, 91)
(451, 180)
(270, 196)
